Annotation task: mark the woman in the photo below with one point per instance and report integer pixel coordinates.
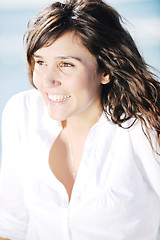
(81, 151)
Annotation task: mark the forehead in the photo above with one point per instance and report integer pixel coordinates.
(69, 44)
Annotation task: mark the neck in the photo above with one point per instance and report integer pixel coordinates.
(80, 125)
(75, 130)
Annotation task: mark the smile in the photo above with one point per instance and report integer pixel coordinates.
(58, 98)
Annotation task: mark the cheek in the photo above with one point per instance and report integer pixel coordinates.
(37, 81)
(90, 82)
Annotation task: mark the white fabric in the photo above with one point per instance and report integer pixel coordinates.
(116, 195)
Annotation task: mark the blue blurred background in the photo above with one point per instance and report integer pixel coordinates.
(143, 22)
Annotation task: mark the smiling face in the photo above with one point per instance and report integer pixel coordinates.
(66, 74)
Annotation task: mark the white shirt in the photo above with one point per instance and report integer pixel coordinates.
(116, 195)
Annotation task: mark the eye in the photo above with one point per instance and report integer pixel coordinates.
(39, 63)
(66, 65)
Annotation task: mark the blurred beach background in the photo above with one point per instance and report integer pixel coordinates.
(143, 21)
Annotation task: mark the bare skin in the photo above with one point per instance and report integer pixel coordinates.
(61, 162)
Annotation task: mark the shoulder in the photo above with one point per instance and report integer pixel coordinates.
(23, 98)
(139, 140)
(134, 134)
(135, 143)
(148, 161)
(27, 112)
(23, 102)
(23, 110)
(138, 134)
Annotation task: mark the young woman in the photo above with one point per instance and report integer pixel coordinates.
(81, 150)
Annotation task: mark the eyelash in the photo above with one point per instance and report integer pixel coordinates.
(63, 64)
(39, 62)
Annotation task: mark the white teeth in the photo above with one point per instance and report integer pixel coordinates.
(57, 98)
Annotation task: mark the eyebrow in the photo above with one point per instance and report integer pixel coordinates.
(61, 57)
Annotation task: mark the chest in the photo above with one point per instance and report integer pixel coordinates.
(109, 192)
(104, 198)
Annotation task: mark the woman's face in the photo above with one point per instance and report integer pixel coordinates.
(66, 75)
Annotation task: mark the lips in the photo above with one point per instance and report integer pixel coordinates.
(57, 97)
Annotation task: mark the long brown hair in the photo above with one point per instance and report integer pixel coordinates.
(133, 91)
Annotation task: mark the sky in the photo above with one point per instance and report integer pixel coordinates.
(32, 3)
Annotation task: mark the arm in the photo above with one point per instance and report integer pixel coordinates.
(147, 160)
(13, 214)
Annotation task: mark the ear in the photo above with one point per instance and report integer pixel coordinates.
(105, 78)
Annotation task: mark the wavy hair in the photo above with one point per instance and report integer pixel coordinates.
(133, 90)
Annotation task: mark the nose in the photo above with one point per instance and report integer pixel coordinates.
(51, 78)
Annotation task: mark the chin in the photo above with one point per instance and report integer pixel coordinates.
(57, 117)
